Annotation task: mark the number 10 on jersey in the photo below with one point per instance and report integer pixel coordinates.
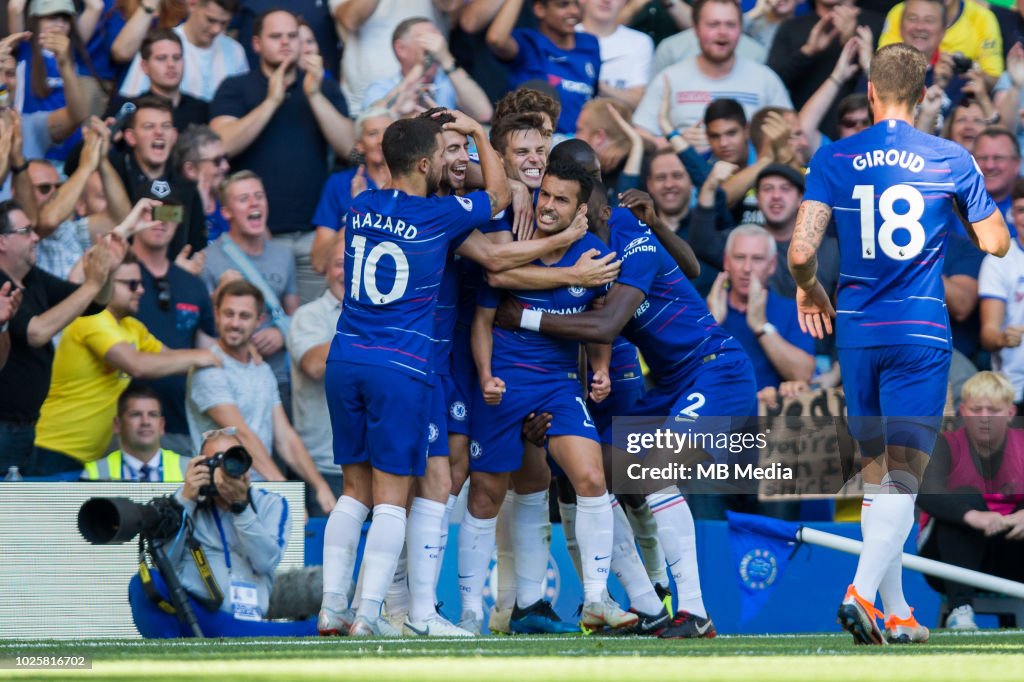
(909, 220)
(365, 276)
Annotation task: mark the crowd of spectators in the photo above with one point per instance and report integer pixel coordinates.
(175, 175)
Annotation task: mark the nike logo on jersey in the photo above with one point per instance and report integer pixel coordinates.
(601, 558)
(430, 547)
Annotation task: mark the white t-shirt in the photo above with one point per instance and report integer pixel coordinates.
(368, 54)
(313, 324)
(626, 57)
(753, 85)
(684, 44)
(1003, 279)
(204, 68)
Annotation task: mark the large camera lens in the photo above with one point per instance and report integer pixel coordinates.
(236, 461)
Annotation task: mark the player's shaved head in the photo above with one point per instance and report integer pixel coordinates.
(897, 74)
(579, 152)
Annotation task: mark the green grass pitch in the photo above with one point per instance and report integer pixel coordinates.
(993, 655)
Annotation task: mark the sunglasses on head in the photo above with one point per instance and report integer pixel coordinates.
(132, 284)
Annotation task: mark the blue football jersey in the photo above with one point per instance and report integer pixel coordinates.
(672, 328)
(625, 362)
(396, 248)
(524, 352)
(573, 73)
(893, 190)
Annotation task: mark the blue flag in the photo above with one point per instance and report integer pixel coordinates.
(761, 548)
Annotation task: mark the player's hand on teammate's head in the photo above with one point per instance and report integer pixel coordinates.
(577, 228)
(462, 124)
(535, 428)
(600, 386)
(640, 205)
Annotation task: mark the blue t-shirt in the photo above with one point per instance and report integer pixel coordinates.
(27, 102)
(527, 354)
(672, 328)
(335, 199)
(186, 308)
(396, 248)
(107, 29)
(574, 73)
(893, 189)
(216, 223)
(781, 313)
(964, 258)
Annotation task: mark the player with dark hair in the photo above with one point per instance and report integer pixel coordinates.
(699, 370)
(893, 189)
(522, 372)
(380, 373)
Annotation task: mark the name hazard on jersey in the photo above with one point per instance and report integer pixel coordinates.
(397, 227)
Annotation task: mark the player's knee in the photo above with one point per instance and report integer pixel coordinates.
(590, 482)
(485, 496)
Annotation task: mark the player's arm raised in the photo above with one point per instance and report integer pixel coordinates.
(598, 325)
(495, 180)
(642, 206)
(814, 309)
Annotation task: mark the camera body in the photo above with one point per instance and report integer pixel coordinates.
(961, 64)
(235, 461)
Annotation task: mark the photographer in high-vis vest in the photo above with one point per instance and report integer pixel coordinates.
(139, 425)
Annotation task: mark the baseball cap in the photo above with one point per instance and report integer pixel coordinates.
(783, 170)
(45, 8)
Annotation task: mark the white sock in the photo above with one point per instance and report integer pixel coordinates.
(341, 543)
(567, 510)
(891, 517)
(678, 537)
(357, 590)
(476, 545)
(890, 589)
(594, 534)
(397, 598)
(531, 542)
(506, 591)
(380, 556)
(628, 568)
(445, 524)
(423, 538)
(645, 530)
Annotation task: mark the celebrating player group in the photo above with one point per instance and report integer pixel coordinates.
(490, 330)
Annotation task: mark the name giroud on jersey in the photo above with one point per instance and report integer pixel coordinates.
(889, 157)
